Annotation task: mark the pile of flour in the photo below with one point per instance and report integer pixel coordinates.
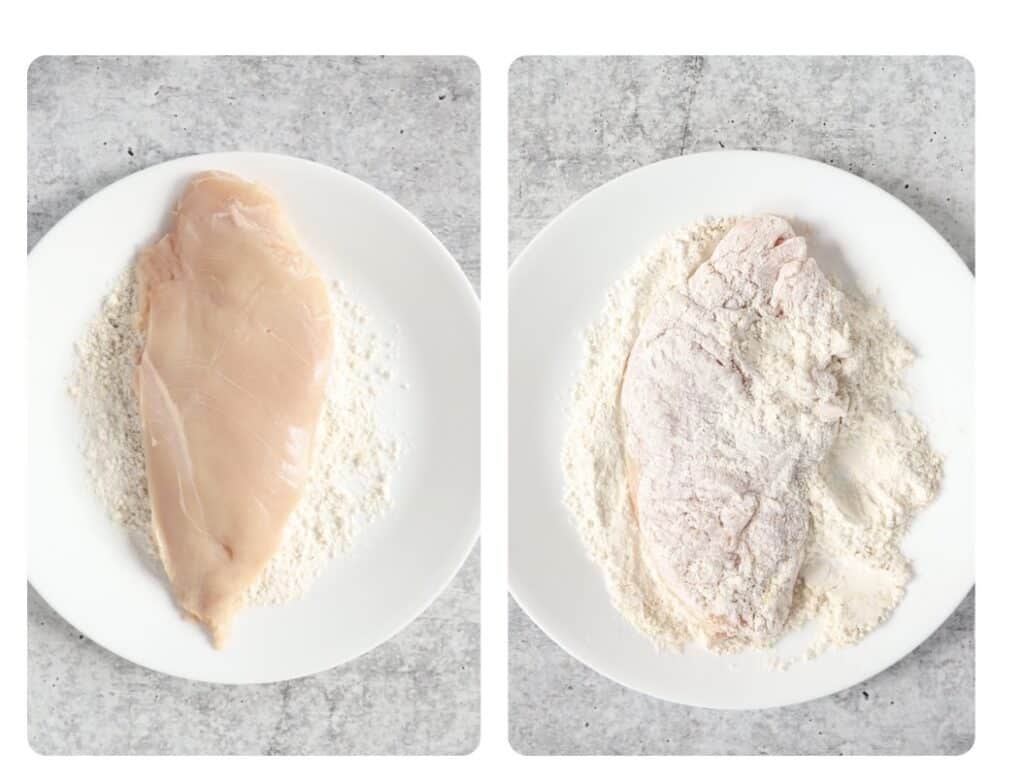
(879, 471)
(352, 469)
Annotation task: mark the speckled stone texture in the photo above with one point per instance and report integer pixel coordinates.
(408, 126)
(906, 124)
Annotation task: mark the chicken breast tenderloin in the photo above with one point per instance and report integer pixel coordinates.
(230, 383)
(715, 449)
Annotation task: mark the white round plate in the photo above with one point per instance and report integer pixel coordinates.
(85, 566)
(557, 288)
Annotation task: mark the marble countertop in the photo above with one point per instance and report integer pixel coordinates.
(408, 126)
(906, 124)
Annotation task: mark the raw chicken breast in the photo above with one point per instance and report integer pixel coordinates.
(231, 383)
(715, 443)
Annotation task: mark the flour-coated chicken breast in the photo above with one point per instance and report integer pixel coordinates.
(715, 442)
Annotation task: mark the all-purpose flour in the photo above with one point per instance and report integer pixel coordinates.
(355, 459)
(878, 471)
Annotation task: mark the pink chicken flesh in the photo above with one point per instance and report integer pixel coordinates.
(231, 382)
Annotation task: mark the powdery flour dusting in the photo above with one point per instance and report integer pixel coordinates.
(874, 469)
(354, 459)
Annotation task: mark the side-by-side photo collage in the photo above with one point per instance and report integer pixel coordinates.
(740, 405)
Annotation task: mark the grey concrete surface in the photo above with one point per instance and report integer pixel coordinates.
(408, 126)
(906, 124)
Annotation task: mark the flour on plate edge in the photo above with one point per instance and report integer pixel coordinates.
(354, 463)
(854, 574)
